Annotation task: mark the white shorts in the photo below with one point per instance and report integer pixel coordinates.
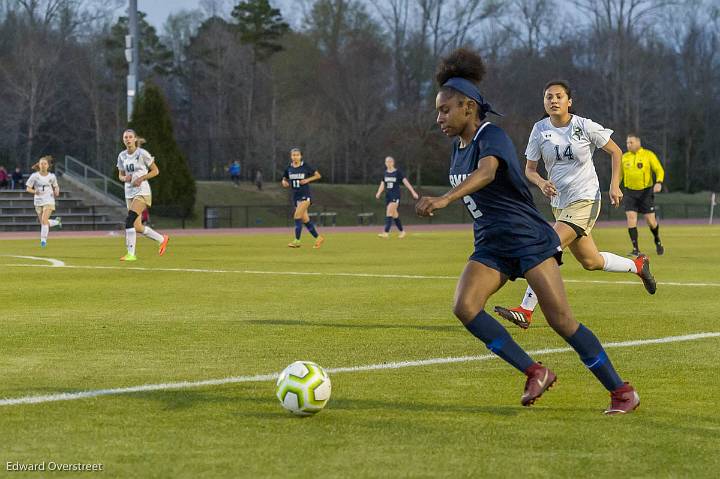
(581, 215)
(147, 199)
(40, 209)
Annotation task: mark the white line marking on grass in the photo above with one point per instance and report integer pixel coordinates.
(662, 283)
(315, 273)
(347, 369)
(241, 271)
(54, 263)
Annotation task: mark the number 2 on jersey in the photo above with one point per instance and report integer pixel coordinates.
(567, 154)
(472, 207)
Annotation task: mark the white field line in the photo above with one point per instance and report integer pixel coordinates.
(54, 263)
(313, 273)
(347, 369)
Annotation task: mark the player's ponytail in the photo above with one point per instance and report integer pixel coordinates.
(461, 63)
(139, 140)
(48, 158)
(461, 72)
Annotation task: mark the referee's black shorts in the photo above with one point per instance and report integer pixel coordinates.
(641, 201)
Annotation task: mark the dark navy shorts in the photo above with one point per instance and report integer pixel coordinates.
(515, 267)
(391, 200)
(299, 199)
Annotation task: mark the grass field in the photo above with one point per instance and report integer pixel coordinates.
(226, 306)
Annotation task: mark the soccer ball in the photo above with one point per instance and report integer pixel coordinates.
(303, 388)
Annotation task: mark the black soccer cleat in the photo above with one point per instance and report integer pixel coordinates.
(659, 249)
(642, 263)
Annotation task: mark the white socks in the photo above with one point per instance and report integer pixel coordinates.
(130, 237)
(152, 234)
(613, 263)
(53, 223)
(529, 301)
(44, 230)
(618, 264)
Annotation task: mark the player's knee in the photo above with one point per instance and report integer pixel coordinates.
(130, 220)
(562, 323)
(466, 310)
(593, 263)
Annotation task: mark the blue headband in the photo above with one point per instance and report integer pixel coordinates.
(470, 90)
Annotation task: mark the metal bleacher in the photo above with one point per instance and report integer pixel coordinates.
(17, 213)
(84, 202)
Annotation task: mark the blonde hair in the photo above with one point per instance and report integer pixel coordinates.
(48, 158)
(139, 140)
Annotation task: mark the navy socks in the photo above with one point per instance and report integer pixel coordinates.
(593, 355)
(498, 340)
(311, 228)
(388, 223)
(298, 229)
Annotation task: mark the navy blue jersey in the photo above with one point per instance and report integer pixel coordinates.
(507, 224)
(295, 174)
(392, 184)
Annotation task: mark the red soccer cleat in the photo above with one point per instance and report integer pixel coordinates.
(163, 245)
(519, 316)
(623, 400)
(539, 380)
(642, 263)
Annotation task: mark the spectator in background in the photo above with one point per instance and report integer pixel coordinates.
(234, 171)
(639, 167)
(4, 177)
(18, 179)
(259, 179)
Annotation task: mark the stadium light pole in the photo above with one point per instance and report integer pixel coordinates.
(132, 55)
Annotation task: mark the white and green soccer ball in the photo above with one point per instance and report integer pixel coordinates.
(303, 388)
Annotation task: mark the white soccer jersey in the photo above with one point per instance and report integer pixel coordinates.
(136, 165)
(567, 153)
(44, 187)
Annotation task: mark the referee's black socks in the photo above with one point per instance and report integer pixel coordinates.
(633, 237)
(656, 233)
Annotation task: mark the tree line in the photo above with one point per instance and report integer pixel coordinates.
(352, 80)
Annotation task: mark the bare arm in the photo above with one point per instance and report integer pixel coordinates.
(616, 155)
(546, 186)
(479, 179)
(381, 188)
(123, 176)
(410, 188)
(154, 171)
(284, 183)
(30, 190)
(314, 177)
